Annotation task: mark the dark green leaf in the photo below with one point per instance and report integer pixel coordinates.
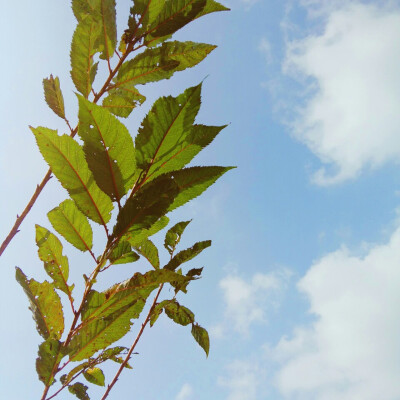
(45, 305)
(157, 311)
(83, 48)
(95, 375)
(53, 95)
(79, 390)
(69, 222)
(123, 254)
(145, 208)
(210, 7)
(135, 238)
(192, 182)
(164, 127)
(179, 314)
(68, 164)
(186, 255)
(201, 337)
(149, 251)
(173, 236)
(75, 370)
(122, 100)
(55, 264)
(108, 148)
(50, 355)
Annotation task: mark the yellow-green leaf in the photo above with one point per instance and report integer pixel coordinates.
(53, 95)
(95, 375)
(50, 354)
(201, 337)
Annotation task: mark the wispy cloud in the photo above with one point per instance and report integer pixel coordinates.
(186, 392)
(350, 119)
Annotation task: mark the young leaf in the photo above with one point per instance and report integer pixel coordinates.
(201, 337)
(192, 182)
(163, 129)
(186, 255)
(45, 305)
(53, 95)
(55, 264)
(49, 355)
(69, 222)
(95, 375)
(67, 162)
(79, 390)
(179, 314)
(122, 100)
(108, 148)
(123, 254)
(83, 48)
(146, 207)
(150, 252)
(173, 236)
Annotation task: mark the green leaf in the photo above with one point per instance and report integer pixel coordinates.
(108, 148)
(123, 254)
(145, 208)
(95, 375)
(69, 222)
(201, 337)
(192, 182)
(103, 13)
(173, 236)
(53, 95)
(210, 7)
(67, 162)
(161, 62)
(164, 127)
(83, 48)
(50, 355)
(135, 238)
(122, 100)
(67, 378)
(157, 311)
(179, 314)
(55, 264)
(45, 305)
(113, 355)
(149, 251)
(79, 390)
(186, 255)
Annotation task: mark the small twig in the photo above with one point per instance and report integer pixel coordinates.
(114, 381)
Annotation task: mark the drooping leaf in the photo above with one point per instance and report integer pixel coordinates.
(123, 254)
(67, 377)
(186, 255)
(49, 356)
(53, 95)
(135, 238)
(103, 13)
(95, 375)
(55, 263)
(45, 305)
(69, 222)
(122, 100)
(67, 161)
(145, 208)
(201, 337)
(79, 390)
(150, 252)
(83, 48)
(192, 182)
(108, 148)
(173, 236)
(178, 313)
(182, 286)
(161, 62)
(164, 127)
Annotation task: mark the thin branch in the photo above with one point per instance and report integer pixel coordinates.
(114, 381)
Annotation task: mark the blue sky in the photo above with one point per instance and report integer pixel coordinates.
(301, 286)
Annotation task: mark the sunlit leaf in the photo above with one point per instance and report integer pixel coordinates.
(201, 337)
(122, 100)
(123, 254)
(173, 236)
(45, 305)
(95, 375)
(67, 161)
(108, 148)
(49, 356)
(55, 263)
(135, 238)
(53, 95)
(69, 222)
(186, 255)
(150, 252)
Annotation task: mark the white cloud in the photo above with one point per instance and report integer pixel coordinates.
(265, 48)
(246, 302)
(351, 118)
(186, 392)
(352, 350)
(244, 378)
